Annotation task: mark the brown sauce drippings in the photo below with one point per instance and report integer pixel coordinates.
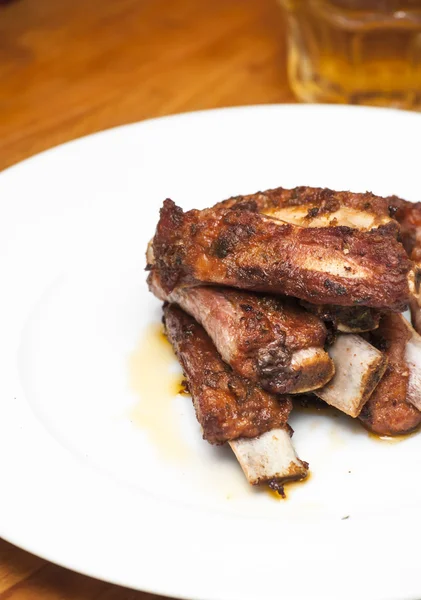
(288, 487)
(153, 378)
(313, 405)
(396, 439)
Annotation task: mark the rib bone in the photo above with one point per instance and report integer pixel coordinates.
(358, 369)
(269, 459)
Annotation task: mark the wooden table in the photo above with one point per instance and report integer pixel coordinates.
(72, 67)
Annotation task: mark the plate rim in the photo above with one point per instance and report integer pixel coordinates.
(236, 108)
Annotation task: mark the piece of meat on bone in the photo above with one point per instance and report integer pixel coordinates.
(318, 207)
(358, 369)
(242, 248)
(227, 405)
(322, 207)
(230, 408)
(393, 408)
(269, 340)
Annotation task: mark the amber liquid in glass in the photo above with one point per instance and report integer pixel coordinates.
(355, 51)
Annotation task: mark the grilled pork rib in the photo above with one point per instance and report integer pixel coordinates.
(269, 340)
(227, 406)
(318, 207)
(230, 408)
(393, 407)
(241, 248)
(347, 319)
(322, 207)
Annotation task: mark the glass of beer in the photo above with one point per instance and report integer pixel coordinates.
(355, 51)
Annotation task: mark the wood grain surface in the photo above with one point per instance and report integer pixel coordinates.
(72, 67)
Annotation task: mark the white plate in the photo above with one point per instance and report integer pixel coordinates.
(95, 480)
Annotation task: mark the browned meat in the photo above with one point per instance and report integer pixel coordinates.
(346, 319)
(227, 406)
(241, 248)
(269, 340)
(321, 207)
(408, 215)
(389, 410)
(317, 207)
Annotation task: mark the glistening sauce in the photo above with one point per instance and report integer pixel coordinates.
(288, 487)
(396, 439)
(153, 379)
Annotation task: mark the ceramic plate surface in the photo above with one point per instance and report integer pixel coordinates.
(103, 467)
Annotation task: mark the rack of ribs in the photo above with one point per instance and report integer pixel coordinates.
(248, 286)
(233, 409)
(269, 340)
(240, 247)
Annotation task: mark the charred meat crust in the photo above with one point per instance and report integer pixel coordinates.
(245, 249)
(388, 411)
(227, 406)
(408, 215)
(348, 319)
(321, 201)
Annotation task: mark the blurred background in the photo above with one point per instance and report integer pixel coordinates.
(72, 67)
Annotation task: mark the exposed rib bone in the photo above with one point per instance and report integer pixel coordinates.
(359, 367)
(312, 366)
(318, 207)
(343, 216)
(269, 459)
